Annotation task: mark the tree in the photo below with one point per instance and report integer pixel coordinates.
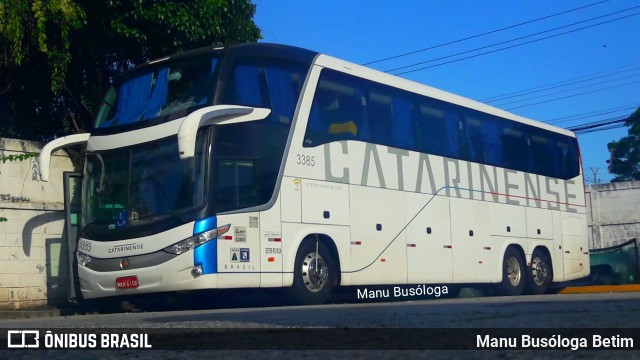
(35, 42)
(625, 153)
(59, 56)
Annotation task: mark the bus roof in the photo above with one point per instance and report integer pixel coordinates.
(243, 49)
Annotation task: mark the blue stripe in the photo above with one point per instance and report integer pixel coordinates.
(206, 255)
(203, 225)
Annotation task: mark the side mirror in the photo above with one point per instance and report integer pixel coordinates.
(213, 115)
(44, 160)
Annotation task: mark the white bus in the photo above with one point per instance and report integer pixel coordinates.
(262, 165)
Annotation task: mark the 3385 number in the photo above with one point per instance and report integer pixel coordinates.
(84, 245)
(306, 160)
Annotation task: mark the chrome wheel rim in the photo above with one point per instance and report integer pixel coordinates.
(314, 272)
(539, 271)
(513, 271)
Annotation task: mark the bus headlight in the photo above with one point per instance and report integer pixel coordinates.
(190, 243)
(83, 259)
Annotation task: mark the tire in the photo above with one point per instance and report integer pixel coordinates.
(513, 273)
(313, 275)
(539, 274)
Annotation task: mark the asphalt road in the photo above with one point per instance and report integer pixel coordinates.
(605, 310)
(422, 324)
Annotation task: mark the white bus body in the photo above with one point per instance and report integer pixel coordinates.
(351, 211)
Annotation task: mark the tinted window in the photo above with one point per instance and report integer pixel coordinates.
(350, 108)
(473, 139)
(247, 156)
(261, 83)
(171, 90)
(338, 111)
(515, 148)
(437, 128)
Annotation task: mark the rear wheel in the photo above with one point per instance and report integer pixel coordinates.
(314, 273)
(539, 274)
(513, 278)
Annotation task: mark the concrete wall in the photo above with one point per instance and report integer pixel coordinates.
(613, 213)
(31, 247)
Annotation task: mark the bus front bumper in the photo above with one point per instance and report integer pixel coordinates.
(176, 274)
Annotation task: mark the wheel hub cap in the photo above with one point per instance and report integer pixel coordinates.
(513, 271)
(539, 269)
(314, 272)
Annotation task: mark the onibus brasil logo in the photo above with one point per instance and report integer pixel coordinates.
(25, 339)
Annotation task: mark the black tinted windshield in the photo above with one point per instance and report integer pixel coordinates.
(141, 184)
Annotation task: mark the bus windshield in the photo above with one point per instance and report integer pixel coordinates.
(141, 184)
(169, 90)
(134, 190)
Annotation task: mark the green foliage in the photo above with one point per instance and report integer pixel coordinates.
(3, 219)
(43, 26)
(59, 56)
(625, 153)
(19, 157)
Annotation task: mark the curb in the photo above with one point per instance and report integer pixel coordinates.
(600, 289)
(28, 314)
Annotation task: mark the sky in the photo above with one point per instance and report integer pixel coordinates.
(582, 76)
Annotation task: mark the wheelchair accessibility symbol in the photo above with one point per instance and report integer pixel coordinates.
(122, 219)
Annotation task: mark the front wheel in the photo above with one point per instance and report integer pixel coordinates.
(539, 275)
(513, 278)
(314, 274)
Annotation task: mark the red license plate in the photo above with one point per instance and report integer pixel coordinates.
(128, 282)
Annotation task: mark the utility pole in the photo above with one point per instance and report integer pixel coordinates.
(595, 174)
(595, 210)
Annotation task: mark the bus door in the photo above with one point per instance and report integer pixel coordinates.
(72, 207)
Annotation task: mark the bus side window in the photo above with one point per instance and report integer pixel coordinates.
(432, 130)
(542, 155)
(267, 86)
(380, 119)
(492, 140)
(338, 111)
(284, 88)
(347, 119)
(567, 155)
(515, 148)
(249, 86)
(324, 101)
(236, 184)
(402, 110)
(473, 139)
